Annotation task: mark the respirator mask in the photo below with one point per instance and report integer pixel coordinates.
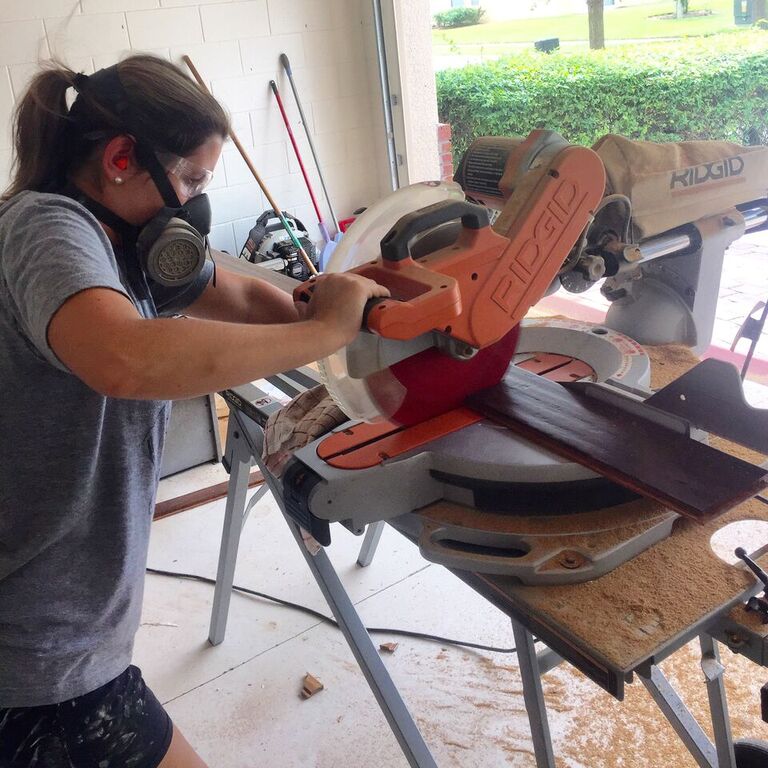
(172, 247)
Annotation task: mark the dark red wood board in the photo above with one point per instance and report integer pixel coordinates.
(655, 461)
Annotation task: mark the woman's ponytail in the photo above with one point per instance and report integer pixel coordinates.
(41, 132)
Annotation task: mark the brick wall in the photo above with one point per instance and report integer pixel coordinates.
(235, 45)
(445, 149)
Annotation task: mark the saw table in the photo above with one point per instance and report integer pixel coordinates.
(638, 614)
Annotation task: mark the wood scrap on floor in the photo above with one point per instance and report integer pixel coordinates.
(388, 647)
(310, 686)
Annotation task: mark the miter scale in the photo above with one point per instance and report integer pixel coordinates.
(491, 500)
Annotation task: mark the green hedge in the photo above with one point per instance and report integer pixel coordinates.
(704, 88)
(458, 17)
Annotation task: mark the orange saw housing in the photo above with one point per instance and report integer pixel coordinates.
(476, 291)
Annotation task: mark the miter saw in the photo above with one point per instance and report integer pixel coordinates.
(452, 328)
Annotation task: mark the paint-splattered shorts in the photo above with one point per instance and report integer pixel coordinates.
(120, 725)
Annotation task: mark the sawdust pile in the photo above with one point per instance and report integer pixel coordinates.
(472, 714)
(605, 733)
(669, 362)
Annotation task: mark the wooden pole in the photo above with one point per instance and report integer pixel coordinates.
(252, 169)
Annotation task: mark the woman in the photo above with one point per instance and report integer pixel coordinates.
(88, 361)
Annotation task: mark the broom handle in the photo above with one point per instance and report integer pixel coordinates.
(320, 222)
(287, 66)
(307, 261)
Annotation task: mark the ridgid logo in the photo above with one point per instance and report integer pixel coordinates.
(701, 174)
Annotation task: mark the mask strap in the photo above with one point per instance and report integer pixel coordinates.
(128, 236)
(147, 157)
(106, 87)
(101, 212)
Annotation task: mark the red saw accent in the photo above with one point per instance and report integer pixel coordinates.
(562, 368)
(367, 445)
(434, 382)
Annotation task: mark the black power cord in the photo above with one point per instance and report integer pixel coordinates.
(329, 620)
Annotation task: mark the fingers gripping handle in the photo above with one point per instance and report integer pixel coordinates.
(303, 293)
(394, 246)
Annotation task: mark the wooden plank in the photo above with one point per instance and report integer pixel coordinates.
(198, 498)
(685, 475)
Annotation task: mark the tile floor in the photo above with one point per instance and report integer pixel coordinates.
(239, 702)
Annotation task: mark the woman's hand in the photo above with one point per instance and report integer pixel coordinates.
(338, 300)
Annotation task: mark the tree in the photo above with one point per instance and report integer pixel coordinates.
(681, 8)
(596, 24)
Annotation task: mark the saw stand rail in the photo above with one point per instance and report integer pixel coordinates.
(243, 449)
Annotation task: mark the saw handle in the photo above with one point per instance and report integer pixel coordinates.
(394, 245)
(303, 293)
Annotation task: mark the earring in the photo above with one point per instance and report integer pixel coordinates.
(118, 180)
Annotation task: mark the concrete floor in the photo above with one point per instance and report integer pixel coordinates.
(239, 703)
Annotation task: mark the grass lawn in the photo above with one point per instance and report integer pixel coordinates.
(634, 22)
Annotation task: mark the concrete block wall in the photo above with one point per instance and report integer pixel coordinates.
(235, 44)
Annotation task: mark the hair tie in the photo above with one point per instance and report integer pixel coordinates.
(79, 82)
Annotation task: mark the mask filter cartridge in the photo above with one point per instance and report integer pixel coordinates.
(177, 255)
(173, 246)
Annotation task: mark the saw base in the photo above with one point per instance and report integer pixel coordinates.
(491, 501)
(560, 549)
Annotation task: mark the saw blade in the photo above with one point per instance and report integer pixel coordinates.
(344, 373)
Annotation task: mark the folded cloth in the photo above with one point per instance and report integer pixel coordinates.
(304, 419)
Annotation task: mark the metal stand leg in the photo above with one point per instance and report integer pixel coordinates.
(534, 696)
(718, 704)
(239, 457)
(354, 631)
(399, 718)
(685, 725)
(370, 543)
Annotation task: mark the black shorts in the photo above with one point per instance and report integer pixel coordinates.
(120, 725)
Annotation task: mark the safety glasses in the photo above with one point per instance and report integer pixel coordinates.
(193, 178)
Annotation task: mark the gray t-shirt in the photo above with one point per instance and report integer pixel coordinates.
(78, 471)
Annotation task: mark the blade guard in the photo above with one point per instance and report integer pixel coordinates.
(479, 288)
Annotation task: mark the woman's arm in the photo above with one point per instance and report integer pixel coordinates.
(101, 338)
(239, 297)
